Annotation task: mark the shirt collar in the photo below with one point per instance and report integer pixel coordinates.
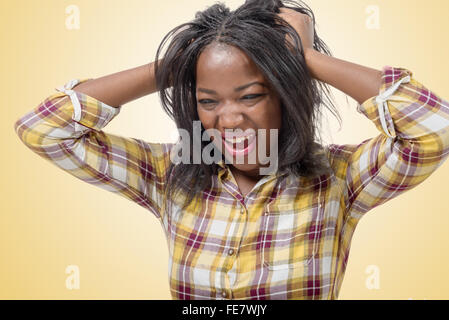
(222, 164)
(223, 168)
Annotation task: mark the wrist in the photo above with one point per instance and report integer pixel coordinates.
(310, 56)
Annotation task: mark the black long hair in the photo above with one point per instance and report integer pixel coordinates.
(256, 29)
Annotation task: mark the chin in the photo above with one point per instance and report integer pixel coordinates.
(250, 168)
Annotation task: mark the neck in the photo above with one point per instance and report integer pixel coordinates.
(252, 175)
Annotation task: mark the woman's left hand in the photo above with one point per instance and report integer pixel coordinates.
(302, 23)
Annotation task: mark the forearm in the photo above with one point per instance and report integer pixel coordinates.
(359, 82)
(122, 87)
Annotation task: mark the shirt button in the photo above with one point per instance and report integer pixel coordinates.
(231, 252)
(242, 210)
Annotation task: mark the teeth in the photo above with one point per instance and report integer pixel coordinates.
(237, 140)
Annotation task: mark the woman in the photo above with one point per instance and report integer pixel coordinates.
(235, 232)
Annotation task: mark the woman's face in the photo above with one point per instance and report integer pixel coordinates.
(233, 94)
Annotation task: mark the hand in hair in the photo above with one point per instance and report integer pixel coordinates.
(302, 23)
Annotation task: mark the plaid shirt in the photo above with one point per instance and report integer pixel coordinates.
(289, 238)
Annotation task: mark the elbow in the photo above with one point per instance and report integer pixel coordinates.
(20, 128)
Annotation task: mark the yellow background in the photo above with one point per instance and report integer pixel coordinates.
(50, 220)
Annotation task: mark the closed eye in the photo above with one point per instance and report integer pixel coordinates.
(205, 101)
(252, 96)
(248, 97)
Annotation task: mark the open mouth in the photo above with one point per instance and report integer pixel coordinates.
(238, 146)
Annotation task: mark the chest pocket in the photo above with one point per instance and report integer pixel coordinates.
(291, 235)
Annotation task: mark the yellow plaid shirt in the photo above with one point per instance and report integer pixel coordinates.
(289, 238)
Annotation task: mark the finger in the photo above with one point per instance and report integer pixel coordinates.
(284, 11)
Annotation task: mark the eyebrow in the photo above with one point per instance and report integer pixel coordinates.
(236, 89)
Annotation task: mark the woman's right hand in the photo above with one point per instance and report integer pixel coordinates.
(303, 25)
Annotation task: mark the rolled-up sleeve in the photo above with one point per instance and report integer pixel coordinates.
(66, 129)
(413, 142)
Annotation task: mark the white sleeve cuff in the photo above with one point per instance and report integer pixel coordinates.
(67, 89)
(382, 105)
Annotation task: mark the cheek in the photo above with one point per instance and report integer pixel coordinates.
(205, 119)
(270, 117)
(276, 116)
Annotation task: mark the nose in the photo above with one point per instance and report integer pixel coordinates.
(231, 116)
